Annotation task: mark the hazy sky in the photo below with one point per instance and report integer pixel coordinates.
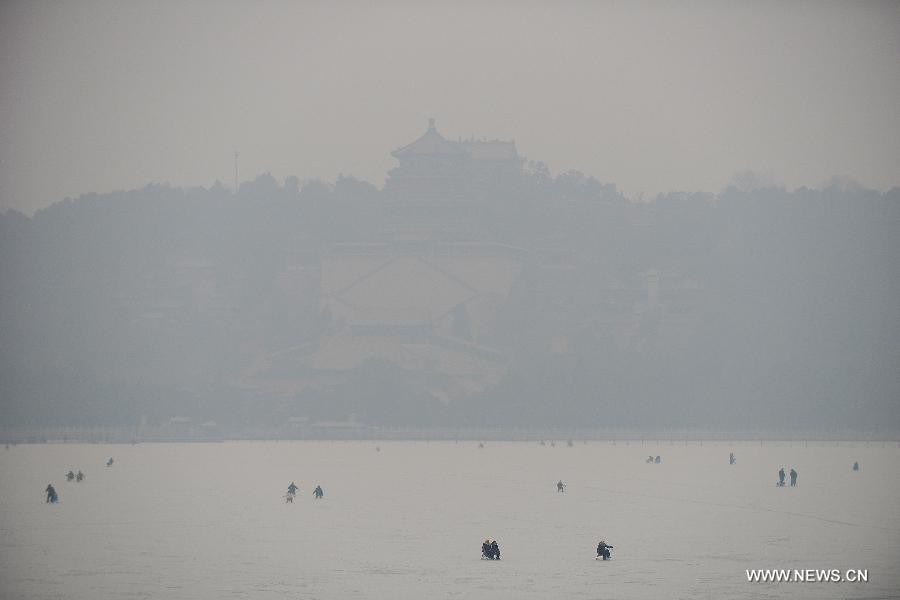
(96, 96)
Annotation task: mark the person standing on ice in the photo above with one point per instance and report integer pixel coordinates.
(560, 486)
(318, 493)
(781, 477)
(793, 477)
(603, 550)
(291, 491)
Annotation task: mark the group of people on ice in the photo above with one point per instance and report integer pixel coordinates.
(490, 550)
(76, 477)
(53, 496)
(781, 477)
(603, 550)
(292, 491)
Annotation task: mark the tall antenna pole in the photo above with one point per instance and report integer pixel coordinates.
(236, 153)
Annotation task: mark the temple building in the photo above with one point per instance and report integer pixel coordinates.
(438, 189)
(426, 297)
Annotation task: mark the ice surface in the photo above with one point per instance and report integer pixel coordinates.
(210, 520)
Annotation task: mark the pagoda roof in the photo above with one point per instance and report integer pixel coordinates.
(431, 143)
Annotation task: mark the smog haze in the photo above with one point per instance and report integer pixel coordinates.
(655, 97)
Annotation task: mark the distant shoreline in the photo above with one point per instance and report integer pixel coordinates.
(560, 436)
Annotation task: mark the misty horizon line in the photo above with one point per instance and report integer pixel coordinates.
(182, 430)
(744, 181)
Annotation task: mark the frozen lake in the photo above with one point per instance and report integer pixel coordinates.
(210, 520)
